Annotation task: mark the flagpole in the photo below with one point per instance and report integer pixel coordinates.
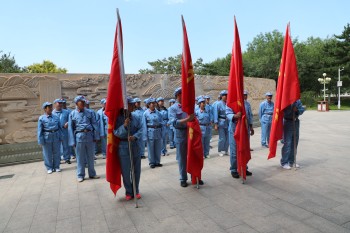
(126, 115)
(294, 141)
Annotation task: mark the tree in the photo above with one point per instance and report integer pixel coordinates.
(8, 64)
(45, 67)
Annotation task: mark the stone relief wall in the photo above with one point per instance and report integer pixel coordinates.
(21, 95)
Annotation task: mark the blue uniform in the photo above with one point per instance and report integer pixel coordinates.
(63, 115)
(122, 133)
(152, 123)
(70, 148)
(139, 113)
(103, 130)
(288, 131)
(176, 114)
(209, 108)
(265, 116)
(221, 119)
(249, 114)
(83, 131)
(203, 117)
(49, 136)
(165, 130)
(231, 130)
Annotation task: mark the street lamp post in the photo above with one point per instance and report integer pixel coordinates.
(339, 85)
(325, 80)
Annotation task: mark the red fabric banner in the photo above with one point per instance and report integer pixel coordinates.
(288, 91)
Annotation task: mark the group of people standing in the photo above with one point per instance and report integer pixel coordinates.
(152, 126)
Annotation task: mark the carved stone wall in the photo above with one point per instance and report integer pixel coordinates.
(21, 95)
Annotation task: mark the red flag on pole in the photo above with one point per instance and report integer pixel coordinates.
(195, 158)
(116, 100)
(235, 101)
(288, 91)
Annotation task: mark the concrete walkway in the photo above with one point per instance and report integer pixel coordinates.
(315, 198)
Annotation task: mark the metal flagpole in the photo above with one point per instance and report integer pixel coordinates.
(126, 114)
(197, 185)
(294, 141)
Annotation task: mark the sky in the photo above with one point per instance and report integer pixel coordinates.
(78, 34)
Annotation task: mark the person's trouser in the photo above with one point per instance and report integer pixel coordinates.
(65, 147)
(206, 139)
(154, 147)
(51, 154)
(233, 149)
(103, 146)
(125, 165)
(288, 138)
(181, 157)
(171, 138)
(223, 139)
(85, 152)
(265, 133)
(164, 140)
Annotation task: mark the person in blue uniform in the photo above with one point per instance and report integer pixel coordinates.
(63, 115)
(232, 118)
(203, 116)
(165, 129)
(249, 114)
(83, 133)
(144, 105)
(221, 124)
(265, 116)
(210, 109)
(50, 137)
(87, 107)
(64, 106)
(152, 123)
(103, 127)
(129, 128)
(291, 118)
(139, 112)
(171, 128)
(179, 120)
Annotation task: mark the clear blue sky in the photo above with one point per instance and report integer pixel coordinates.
(78, 34)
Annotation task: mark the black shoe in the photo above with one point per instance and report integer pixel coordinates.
(200, 182)
(159, 165)
(143, 157)
(67, 161)
(152, 166)
(248, 173)
(172, 147)
(235, 175)
(183, 184)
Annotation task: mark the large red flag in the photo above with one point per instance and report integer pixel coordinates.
(235, 101)
(116, 100)
(288, 91)
(195, 158)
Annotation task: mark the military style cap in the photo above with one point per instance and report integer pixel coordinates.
(63, 100)
(57, 101)
(172, 101)
(103, 101)
(145, 100)
(207, 97)
(130, 100)
(46, 104)
(224, 92)
(87, 101)
(151, 100)
(177, 91)
(200, 100)
(245, 92)
(268, 94)
(79, 98)
(137, 100)
(160, 99)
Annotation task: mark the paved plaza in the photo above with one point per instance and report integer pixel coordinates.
(315, 198)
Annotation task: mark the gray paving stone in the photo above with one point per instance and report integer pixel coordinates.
(69, 225)
(324, 225)
(243, 228)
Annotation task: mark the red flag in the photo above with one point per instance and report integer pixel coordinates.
(116, 100)
(288, 91)
(235, 101)
(195, 158)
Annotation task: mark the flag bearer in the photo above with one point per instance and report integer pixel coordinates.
(249, 113)
(265, 116)
(83, 133)
(50, 138)
(287, 160)
(124, 125)
(152, 123)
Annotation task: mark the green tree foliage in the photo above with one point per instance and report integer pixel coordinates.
(45, 67)
(8, 64)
